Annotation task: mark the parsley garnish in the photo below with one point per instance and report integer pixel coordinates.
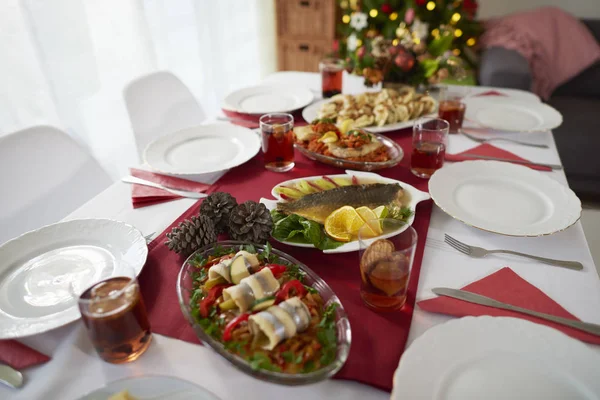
(327, 335)
(294, 272)
(260, 360)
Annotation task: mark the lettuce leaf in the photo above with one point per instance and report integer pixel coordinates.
(294, 228)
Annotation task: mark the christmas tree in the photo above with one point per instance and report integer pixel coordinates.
(408, 41)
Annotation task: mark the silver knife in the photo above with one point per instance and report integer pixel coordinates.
(464, 295)
(475, 156)
(178, 192)
(10, 376)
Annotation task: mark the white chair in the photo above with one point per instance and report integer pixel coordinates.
(159, 104)
(44, 176)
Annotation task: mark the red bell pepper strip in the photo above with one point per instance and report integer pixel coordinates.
(233, 324)
(276, 269)
(213, 294)
(290, 289)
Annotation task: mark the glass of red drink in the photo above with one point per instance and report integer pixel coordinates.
(385, 264)
(430, 139)
(278, 141)
(332, 72)
(115, 317)
(451, 108)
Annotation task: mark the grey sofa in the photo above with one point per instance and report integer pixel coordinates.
(578, 138)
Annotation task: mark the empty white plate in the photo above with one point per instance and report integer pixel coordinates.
(504, 198)
(153, 387)
(267, 98)
(511, 114)
(496, 358)
(202, 149)
(39, 271)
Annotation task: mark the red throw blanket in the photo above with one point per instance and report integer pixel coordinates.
(557, 45)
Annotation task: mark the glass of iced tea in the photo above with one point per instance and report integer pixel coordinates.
(430, 139)
(385, 264)
(115, 317)
(332, 72)
(452, 109)
(278, 141)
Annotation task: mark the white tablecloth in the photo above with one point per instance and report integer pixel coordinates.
(75, 369)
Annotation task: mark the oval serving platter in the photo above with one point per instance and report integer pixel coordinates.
(185, 293)
(394, 150)
(416, 196)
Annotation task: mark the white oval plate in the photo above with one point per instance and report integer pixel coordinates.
(310, 113)
(496, 358)
(153, 387)
(40, 269)
(416, 196)
(504, 198)
(202, 149)
(264, 99)
(510, 114)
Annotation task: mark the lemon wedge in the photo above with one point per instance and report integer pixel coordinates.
(368, 216)
(343, 223)
(346, 125)
(329, 137)
(381, 212)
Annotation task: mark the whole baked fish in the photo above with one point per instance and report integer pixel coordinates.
(318, 206)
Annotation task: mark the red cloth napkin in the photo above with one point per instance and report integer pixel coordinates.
(19, 356)
(251, 121)
(143, 196)
(490, 93)
(378, 339)
(487, 149)
(506, 286)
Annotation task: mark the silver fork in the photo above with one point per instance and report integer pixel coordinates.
(485, 140)
(479, 252)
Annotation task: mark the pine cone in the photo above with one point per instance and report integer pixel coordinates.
(250, 222)
(217, 207)
(191, 235)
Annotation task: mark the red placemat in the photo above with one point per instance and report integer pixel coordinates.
(378, 339)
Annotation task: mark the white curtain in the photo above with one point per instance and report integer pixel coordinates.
(65, 62)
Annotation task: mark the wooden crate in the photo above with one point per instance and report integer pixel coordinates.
(301, 55)
(304, 19)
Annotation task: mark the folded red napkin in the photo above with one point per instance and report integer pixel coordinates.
(506, 286)
(142, 196)
(487, 149)
(19, 356)
(491, 93)
(251, 120)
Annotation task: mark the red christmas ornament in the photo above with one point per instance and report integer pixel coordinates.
(360, 53)
(386, 8)
(404, 61)
(470, 7)
(420, 3)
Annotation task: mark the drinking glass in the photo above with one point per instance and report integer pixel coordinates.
(385, 264)
(115, 317)
(452, 109)
(278, 141)
(332, 70)
(430, 139)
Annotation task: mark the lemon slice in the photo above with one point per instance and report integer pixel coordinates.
(346, 125)
(368, 216)
(381, 212)
(343, 223)
(329, 137)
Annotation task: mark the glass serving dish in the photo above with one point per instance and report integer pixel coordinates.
(184, 293)
(394, 150)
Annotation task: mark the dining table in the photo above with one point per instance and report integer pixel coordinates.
(75, 369)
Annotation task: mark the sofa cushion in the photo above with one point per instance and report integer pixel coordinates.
(586, 83)
(578, 142)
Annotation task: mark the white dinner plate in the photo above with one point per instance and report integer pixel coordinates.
(40, 270)
(415, 197)
(496, 358)
(268, 98)
(202, 149)
(504, 198)
(153, 387)
(310, 114)
(511, 114)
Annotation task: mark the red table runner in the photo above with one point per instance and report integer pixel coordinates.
(378, 339)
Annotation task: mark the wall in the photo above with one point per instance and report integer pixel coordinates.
(580, 8)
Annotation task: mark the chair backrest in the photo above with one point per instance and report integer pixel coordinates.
(159, 104)
(44, 176)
